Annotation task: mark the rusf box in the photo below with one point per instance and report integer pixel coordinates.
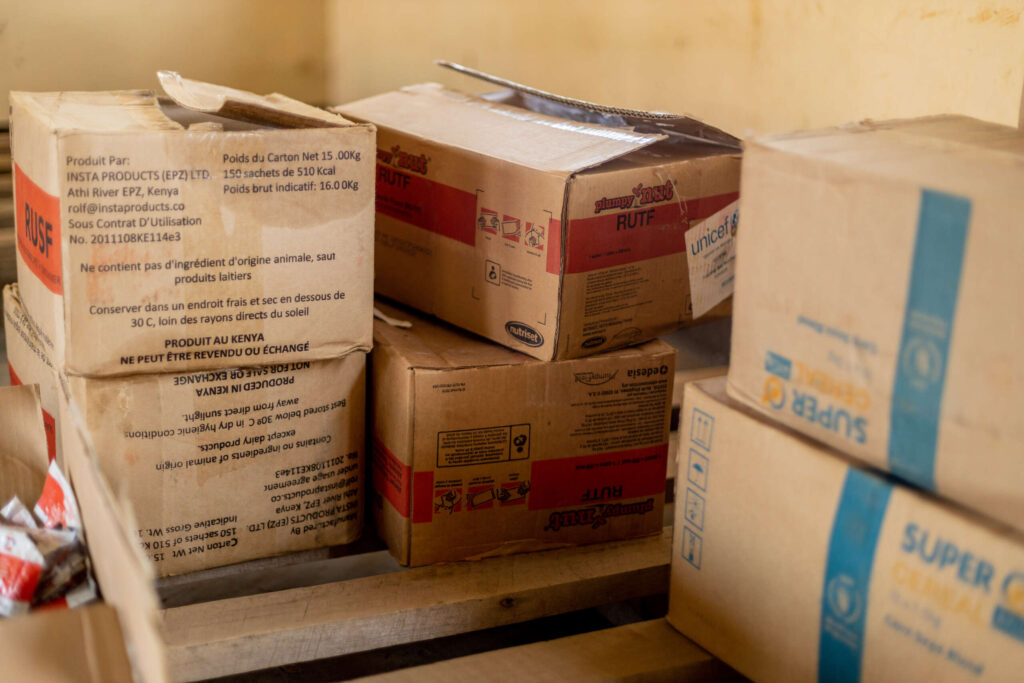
(554, 237)
(217, 230)
(791, 563)
(479, 450)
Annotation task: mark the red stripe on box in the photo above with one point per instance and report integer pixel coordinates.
(15, 380)
(51, 435)
(636, 235)
(37, 220)
(422, 497)
(598, 478)
(435, 207)
(391, 477)
(553, 246)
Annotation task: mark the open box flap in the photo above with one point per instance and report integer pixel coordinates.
(274, 109)
(23, 454)
(675, 126)
(513, 134)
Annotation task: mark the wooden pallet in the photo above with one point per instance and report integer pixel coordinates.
(339, 602)
(389, 606)
(648, 651)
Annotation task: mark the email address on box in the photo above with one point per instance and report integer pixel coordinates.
(131, 207)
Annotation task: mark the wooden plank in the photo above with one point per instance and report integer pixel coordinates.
(645, 651)
(8, 263)
(271, 629)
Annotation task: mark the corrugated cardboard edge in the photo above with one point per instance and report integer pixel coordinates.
(275, 109)
(125, 574)
(672, 125)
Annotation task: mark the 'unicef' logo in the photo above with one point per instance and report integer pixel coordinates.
(844, 601)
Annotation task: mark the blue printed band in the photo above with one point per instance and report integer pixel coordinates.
(851, 555)
(927, 328)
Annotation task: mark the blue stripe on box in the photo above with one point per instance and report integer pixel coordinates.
(846, 589)
(927, 328)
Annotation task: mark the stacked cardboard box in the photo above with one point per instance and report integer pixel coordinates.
(560, 230)
(556, 227)
(198, 273)
(876, 312)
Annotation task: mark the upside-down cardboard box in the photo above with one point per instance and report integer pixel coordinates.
(218, 230)
(878, 299)
(86, 643)
(554, 236)
(228, 464)
(479, 450)
(790, 563)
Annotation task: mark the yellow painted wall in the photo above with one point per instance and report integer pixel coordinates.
(743, 64)
(762, 65)
(260, 45)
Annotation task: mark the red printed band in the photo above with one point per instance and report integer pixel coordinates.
(422, 497)
(48, 422)
(391, 477)
(616, 239)
(554, 246)
(622, 475)
(435, 207)
(37, 217)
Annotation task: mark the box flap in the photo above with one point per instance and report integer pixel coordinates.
(100, 112)
(512, 134)
(23, 454)
(677, 127)
(431, 344)
(274, 109)
(955, 153)
(84, 644)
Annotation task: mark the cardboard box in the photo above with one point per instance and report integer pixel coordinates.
(87, 643)
(28, 363)
(877, 300)
(230, 464)
(792, 564)
(479, 450)
(553, 236)
(226, 229)
(124, 574)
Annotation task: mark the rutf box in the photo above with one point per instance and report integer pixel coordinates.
(479, 450)
(524, 222)
(218, 229)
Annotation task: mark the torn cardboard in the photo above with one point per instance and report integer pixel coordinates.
(551, 234)
(792, 564)
(877, 299)
(28, 363)
(479, 450)
(60, 644)
(227, 229)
